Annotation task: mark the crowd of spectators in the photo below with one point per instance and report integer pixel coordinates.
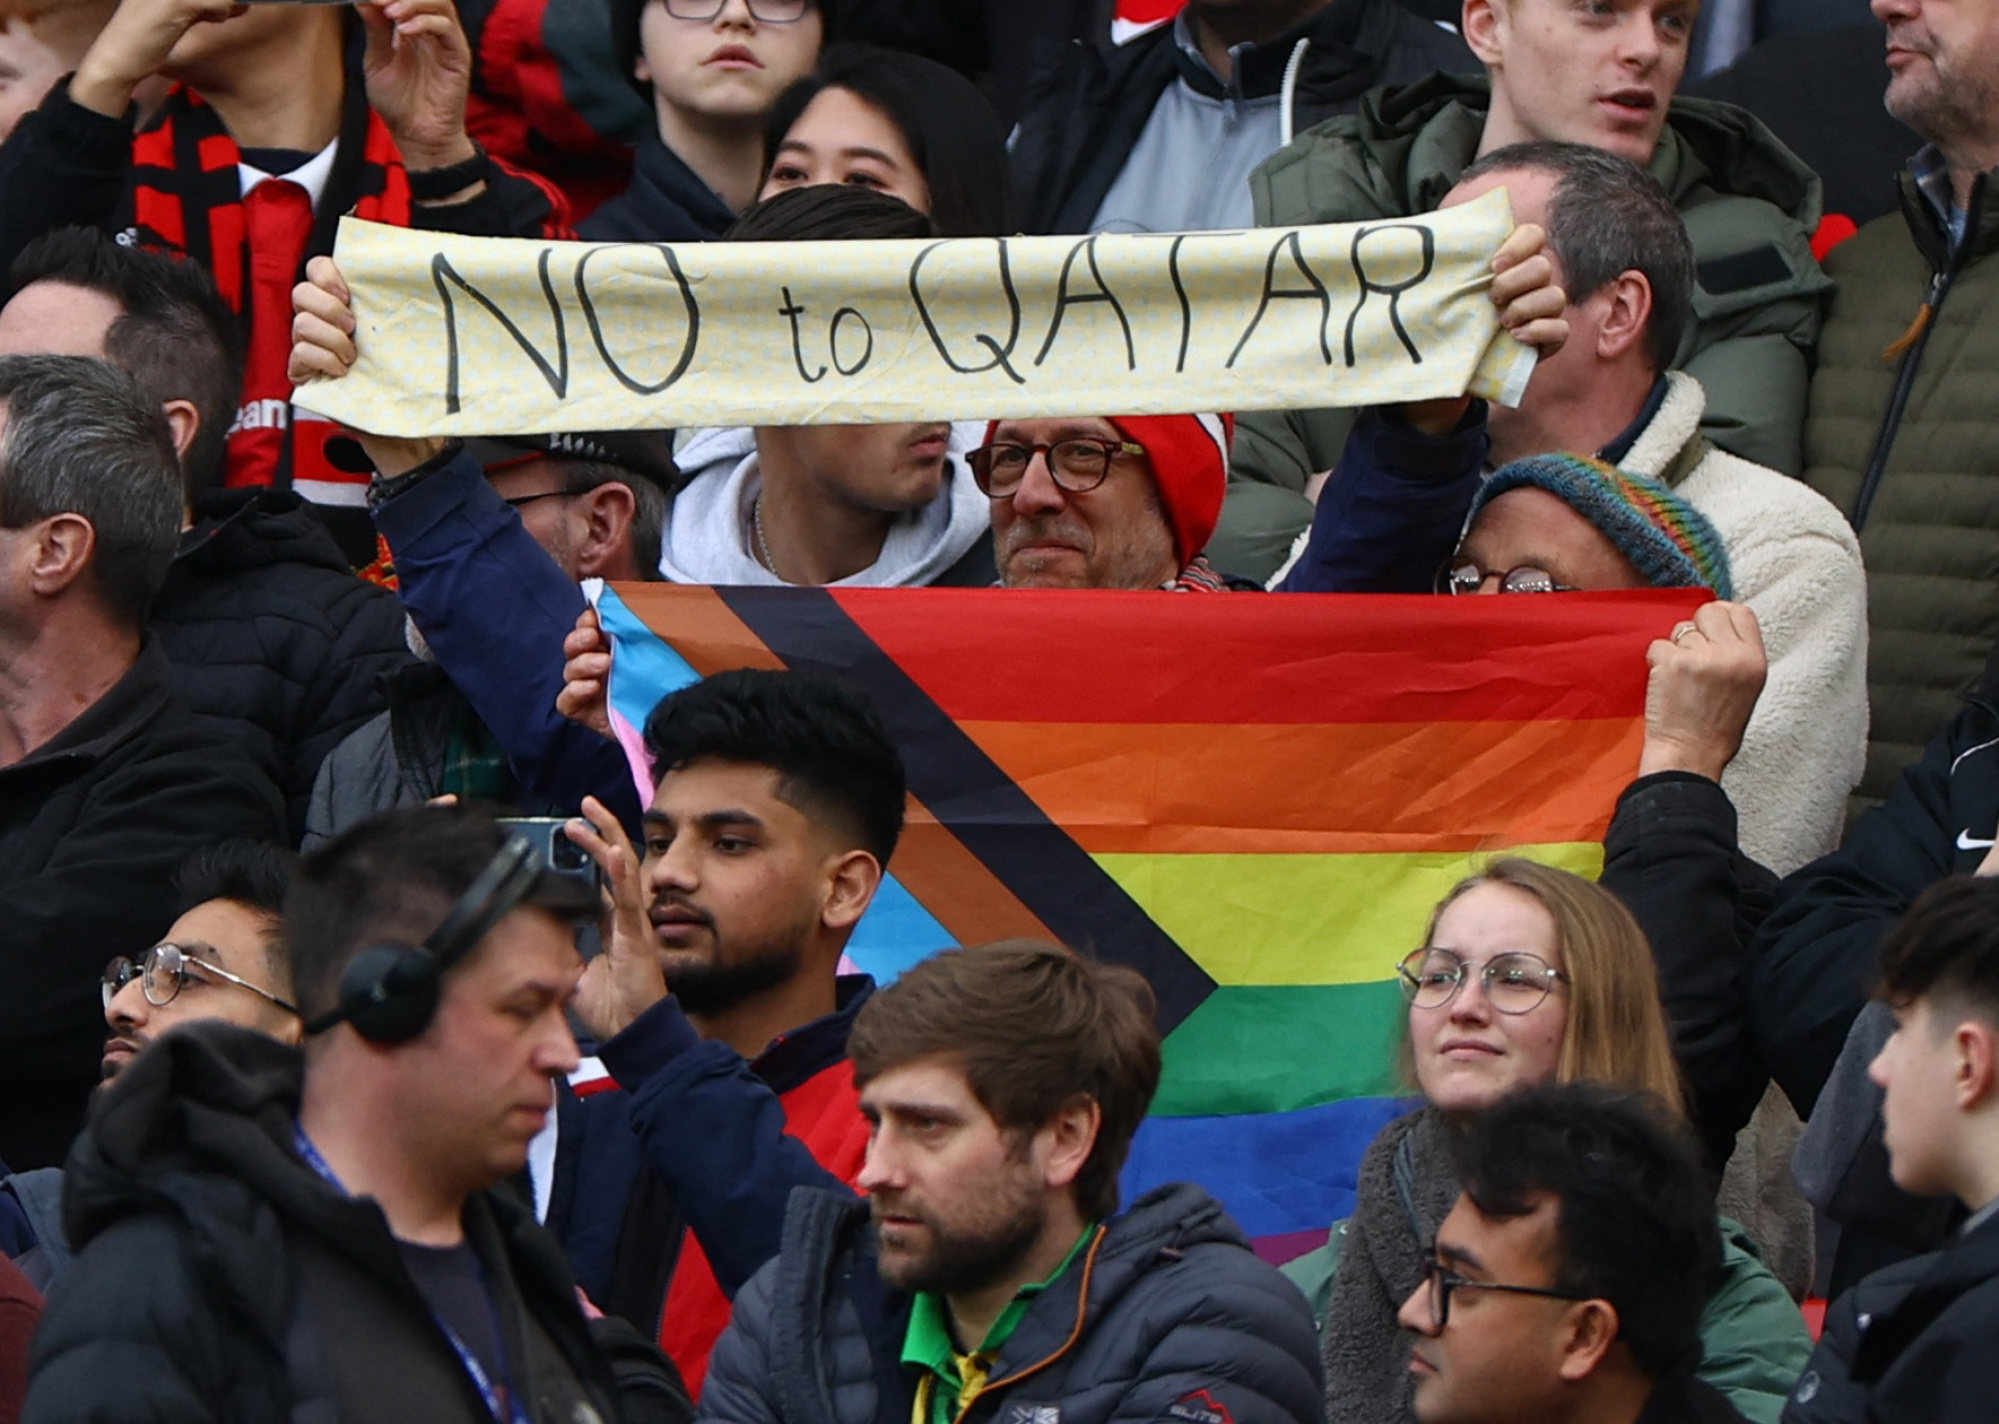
(321, 1143)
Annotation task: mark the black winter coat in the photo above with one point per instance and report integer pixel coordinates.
(1085, 112)
(94, 824)
(1672, 857)
(218, 1277)
(1814, 964)
(273, 640)
(666, 202)
(1911, 1344)
(1179, 1321)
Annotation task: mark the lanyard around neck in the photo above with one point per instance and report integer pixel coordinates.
(504, 1405)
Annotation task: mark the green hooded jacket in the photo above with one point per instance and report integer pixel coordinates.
(1750, 205)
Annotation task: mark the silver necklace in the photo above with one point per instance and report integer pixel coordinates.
(763, 544)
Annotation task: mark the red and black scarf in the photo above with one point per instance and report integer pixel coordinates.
(187, 197)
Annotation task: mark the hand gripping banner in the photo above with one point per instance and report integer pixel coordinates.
(487, 336)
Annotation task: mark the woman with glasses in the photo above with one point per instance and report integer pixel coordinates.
(1527, 975)
(713, 70)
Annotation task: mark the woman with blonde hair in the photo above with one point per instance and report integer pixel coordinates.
(1527, 975)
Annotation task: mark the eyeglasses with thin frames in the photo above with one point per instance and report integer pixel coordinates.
(164, 970)
(516, 501)
(764, 12)
(1077, 465)
(1443, 1282)
(1458, 574)
(1514, 982)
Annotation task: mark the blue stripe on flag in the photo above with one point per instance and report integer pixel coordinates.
(644, 667)
(1277, 1173)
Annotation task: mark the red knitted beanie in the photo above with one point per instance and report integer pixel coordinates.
(1190, 465)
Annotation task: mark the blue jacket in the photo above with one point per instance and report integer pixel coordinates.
(1393, 508)
(494, 608)
(696, 1141)
(1167, 1316)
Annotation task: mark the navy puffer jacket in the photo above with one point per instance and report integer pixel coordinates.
(1179, 1321)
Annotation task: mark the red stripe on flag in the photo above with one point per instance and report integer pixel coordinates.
(1144, 657)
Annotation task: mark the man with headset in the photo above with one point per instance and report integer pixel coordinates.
(264, 1234)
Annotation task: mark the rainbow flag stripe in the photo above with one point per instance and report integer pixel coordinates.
(1255, 801)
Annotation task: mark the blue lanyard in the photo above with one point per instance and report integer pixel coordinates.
(502, 1406)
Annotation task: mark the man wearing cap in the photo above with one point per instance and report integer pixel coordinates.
(491, 539)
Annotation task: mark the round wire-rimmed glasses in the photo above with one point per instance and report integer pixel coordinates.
(1514, 982)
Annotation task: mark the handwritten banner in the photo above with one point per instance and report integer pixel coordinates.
(469, 336)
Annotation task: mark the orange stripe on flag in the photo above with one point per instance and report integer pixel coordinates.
(700, 626)
(1171, 788)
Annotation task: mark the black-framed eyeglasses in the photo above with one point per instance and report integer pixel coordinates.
(764, 12)
(1077, 466)
(1514, 982)
(1443, 1281)
(1458, 574)
(165, 969)
(516, 501)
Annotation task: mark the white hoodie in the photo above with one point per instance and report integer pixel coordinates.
(708, 540)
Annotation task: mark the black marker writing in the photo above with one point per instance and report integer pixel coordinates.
(792, 311)
(1315, 290)
(1063, 301)
(1392, 290)
(557, 376)
(693, 310)
(1002, 353)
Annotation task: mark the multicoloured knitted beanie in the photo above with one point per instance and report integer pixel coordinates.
(1667, 540)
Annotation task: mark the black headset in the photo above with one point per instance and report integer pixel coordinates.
(389, 991)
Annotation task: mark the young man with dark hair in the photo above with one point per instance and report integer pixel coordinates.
(107, 782)
(224, 957)
(264, 1233)
(160, 319)
(1567, 1284)
(717, 1003)
(990, 1272)
(272, 639)
(1915, 1342)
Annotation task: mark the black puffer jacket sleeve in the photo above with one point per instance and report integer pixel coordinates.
(1671, 856)
(1814, 962)
(132, 1335)
(63, 166)
(347, 691)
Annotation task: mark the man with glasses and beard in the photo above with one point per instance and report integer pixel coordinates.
(779, 801)
(225, 957)
(990, 1272)
(1568, 1281)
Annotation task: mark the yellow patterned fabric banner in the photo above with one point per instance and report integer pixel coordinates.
(488, 336)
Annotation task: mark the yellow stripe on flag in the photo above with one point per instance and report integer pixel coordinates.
(1277, 920)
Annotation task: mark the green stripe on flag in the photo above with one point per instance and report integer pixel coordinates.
(1262, 1050)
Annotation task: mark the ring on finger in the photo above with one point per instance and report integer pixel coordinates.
(1680, 632)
